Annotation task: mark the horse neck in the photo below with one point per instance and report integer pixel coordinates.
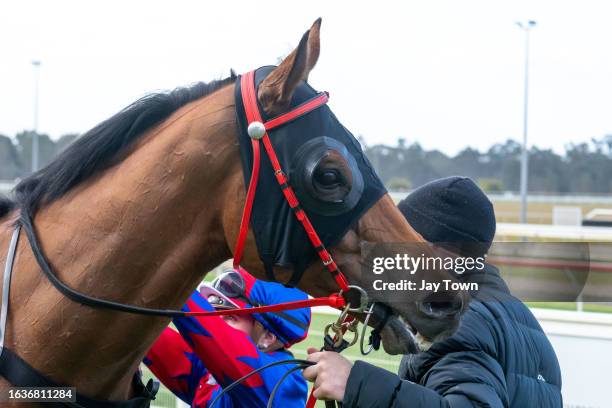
(143, 232)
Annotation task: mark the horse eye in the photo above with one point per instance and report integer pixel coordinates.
(328, 177)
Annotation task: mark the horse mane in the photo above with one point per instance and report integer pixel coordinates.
(103, 146)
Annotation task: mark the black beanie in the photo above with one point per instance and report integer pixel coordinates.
(453, 212)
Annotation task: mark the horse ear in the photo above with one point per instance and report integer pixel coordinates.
(276, 90)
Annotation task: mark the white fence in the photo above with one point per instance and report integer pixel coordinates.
(575, 199)
(583, 343)
(552, 232)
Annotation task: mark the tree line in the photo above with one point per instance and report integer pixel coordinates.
(16, 153)
(582, 168)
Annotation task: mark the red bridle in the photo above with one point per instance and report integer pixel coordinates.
(258, 132)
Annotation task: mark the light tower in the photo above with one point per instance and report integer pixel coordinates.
(526, 27)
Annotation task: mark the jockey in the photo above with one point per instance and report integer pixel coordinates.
(209, 353)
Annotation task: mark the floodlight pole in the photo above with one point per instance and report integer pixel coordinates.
(526, 27)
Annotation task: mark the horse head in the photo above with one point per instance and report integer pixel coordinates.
(345, 200)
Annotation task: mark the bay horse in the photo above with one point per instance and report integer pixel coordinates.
(139, 208)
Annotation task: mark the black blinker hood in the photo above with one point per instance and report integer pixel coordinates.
(281, 239)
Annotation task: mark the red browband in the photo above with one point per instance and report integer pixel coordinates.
(298, 111)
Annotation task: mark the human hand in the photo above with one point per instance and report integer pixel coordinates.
(329, 374)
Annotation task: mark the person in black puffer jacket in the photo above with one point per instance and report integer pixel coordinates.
(499, 356)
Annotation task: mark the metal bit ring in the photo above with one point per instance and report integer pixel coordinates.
(363, 333)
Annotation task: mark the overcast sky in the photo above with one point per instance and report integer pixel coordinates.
(446, 74)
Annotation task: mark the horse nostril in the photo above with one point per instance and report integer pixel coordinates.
(441, 305)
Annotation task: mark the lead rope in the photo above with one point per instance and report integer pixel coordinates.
(337, 344)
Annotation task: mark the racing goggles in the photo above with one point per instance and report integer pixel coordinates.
(231, 287)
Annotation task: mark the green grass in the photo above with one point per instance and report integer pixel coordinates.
(587, 307)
